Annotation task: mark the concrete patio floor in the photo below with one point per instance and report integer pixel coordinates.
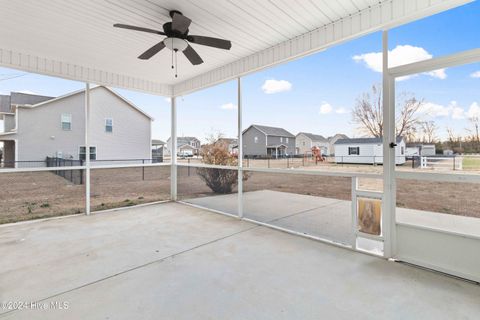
(322, 217)
(172, 261)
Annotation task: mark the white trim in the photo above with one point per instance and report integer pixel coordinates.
(441, 177)
(240, 147)
(173, 151)
(87, 149)
(389, 160)
(82, 91)
(460, 58)
(202, 165)
(62, 69)
(7, 133)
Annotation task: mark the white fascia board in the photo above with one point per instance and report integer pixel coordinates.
(385, 15)
(464, 57)
(50, 67)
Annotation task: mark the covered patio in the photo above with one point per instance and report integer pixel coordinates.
(280, 243)
(173, 261)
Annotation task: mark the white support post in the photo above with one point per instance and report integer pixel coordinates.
(173, 151)
(354, 212)
(240, 148)
(388, 210)
(87, 148)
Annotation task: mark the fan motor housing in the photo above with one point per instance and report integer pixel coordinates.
(167, 28)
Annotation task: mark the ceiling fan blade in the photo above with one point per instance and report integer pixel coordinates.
(152, 51)
(126, 26)
(211, 42)
(180, 23)
(192, 55)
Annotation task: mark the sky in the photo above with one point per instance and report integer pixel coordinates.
(317, 93)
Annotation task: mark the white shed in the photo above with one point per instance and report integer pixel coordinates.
(366, 151)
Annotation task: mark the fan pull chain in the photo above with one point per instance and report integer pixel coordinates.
(172, 60)
(176, 66)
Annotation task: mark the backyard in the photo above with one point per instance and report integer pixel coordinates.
(35, 195)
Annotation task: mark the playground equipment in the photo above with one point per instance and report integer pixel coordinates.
(314, 155)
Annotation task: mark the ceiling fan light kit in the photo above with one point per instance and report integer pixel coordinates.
(178, 39)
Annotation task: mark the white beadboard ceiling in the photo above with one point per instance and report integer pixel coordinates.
(75, 39)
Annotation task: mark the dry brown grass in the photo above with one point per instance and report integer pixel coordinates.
(35, 195)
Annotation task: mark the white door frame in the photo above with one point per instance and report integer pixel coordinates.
(430, 258)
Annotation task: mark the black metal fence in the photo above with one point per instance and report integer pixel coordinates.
(74, 176)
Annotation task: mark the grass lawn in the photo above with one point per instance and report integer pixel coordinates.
(471, 163)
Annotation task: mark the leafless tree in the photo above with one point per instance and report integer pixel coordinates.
(429, 131)
(475, 129)
(368, 114)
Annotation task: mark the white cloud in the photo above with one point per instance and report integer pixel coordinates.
(275, 86)
(474, 110)
(228, 106)
(476, 74)
(325, 108)
(457, 112)
(434, 110)
(398, 56)
(341, 110)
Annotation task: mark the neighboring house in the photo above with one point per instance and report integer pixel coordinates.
(158, 150)
(366, 151)
(304, 143)
(264, 141)
(186, 146)
(37, 127)
(332, 140)
(231, 144)
(420, 149)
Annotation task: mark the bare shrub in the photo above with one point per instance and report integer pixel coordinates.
(219, 180)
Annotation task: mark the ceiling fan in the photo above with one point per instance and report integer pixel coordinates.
(178, 39)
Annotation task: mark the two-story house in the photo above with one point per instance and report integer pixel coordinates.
(186, 146)
(264, 141)
(305, 141)
(41, 127)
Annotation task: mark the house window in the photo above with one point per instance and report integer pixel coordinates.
(66, 121)
(108, 125)
(93, 153)
(354, 151)
(286, 140)
(281, 139)
(402, 151)
(255, 139)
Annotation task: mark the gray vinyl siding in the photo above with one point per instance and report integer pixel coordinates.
(40, 132)
(250, 148)
(274, 140)
(9, 122)
(131, 135)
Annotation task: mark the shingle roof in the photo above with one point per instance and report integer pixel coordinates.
(363, 140)
(27, 98)
(157, 142)
(227, 140)
(273, 131)
(314, 137)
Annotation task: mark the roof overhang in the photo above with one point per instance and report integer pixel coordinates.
(75, 39)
